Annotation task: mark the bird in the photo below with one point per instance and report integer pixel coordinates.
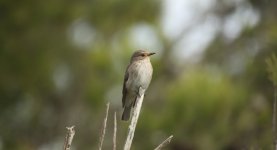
(138, 75)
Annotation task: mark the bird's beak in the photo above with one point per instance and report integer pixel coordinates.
(149, 54)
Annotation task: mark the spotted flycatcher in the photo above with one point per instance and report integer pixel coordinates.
(138, 74)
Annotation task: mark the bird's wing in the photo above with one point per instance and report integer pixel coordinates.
(124, 90)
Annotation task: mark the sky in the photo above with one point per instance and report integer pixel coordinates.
(201, 25)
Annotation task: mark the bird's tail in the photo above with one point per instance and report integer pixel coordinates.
(126, 113)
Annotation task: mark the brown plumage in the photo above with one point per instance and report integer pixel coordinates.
(138, 74)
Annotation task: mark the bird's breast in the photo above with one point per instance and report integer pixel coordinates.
(140, 74)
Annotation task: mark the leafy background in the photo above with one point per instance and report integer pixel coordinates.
(62, 61)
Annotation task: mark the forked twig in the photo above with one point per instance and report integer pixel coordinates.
(69, 138)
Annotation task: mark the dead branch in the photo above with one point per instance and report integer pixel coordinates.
(274, 119)
(164, 143)
(114, 132)
(69, 137)
(134, 119)
(103, 131)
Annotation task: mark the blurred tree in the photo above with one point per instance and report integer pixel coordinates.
(272, 68)
(61, 60)
(46, 81)
(234, 114)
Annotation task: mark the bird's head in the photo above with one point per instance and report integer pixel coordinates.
(140, 55)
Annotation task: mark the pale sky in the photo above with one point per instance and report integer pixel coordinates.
(181, 14)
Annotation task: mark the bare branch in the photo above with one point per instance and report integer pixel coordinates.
(69, 137)
(114, 132)
(134, 119)
(103, 131)
(274, 119)
(164, 143)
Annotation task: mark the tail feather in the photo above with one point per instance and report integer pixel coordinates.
(126, 113)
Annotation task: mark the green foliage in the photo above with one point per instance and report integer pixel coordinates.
(272, 68)
(206, 110)
(47, 81)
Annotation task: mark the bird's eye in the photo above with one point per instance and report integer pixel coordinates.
(142, 55)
